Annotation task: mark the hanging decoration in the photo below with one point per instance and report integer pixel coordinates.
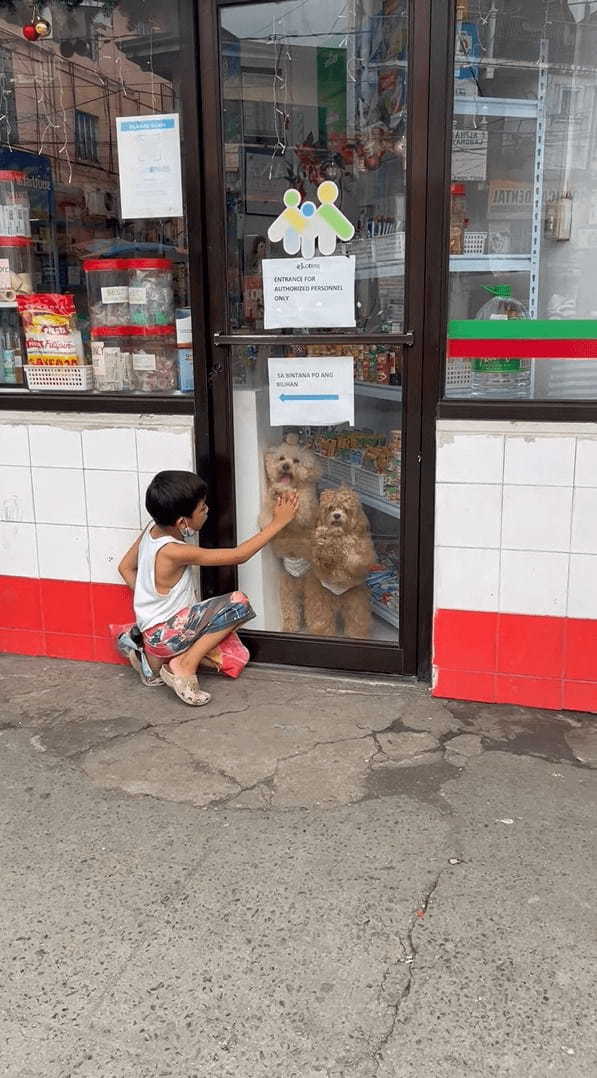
(43, 28)
(37, 27)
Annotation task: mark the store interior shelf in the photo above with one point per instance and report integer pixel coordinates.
(385, 612)
(490, 263)
(458, 264)
(372, 389)
(391, 509)
(496, 106)
(391, 268)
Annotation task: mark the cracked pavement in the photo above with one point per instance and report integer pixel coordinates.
(312, 877)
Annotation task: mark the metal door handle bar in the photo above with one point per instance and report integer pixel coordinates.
(405, 339)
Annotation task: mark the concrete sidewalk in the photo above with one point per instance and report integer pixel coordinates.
(310, 878)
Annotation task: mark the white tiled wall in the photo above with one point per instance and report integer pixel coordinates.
(72, 489)
(516, 518)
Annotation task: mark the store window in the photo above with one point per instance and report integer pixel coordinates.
(523, 229)
(94, 284)
(314, 121)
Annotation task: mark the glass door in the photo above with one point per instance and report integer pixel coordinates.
(306, 127)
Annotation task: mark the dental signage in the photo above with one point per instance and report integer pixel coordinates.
(317, 391)
(149, 166)
(307, 295)
(315, 290)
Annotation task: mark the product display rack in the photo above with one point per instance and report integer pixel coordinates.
(382, 392)
(386, 613)
(497, 107)
(519, 108)
(391, 509)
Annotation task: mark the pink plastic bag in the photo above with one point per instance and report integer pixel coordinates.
(230, 656)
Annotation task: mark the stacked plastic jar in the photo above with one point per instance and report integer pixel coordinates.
(151, 298)
(131, 309)
(15, 235)
(107, 291)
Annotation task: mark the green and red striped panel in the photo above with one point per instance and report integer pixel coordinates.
(522, 339)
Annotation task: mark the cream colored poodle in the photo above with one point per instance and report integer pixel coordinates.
(289, 466)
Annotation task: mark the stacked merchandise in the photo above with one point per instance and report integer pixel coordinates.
(184, 347)
(383, 580)
(15, 236)
(371, 463)
(375, 365)
(15, 270)
(133, 338)
(378, 365)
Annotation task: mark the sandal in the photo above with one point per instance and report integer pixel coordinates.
(135, 658)
(186, 688)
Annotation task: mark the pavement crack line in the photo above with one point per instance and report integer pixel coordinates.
(194, 716)
(75, 757)
(410, 958)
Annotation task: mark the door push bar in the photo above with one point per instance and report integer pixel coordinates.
(224, 339)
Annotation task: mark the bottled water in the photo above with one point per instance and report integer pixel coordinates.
(501, 379)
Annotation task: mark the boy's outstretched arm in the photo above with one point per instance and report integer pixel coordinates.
(285, 511)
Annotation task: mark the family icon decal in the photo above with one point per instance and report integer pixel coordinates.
(300, 227)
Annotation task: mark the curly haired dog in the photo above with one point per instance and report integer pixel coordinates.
(342, 554)
(290, 466)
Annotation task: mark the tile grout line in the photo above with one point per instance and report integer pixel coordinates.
(500, 566)
(569, 573)
(37, 557)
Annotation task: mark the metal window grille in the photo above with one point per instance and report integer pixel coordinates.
(8, 106)
(86, 136)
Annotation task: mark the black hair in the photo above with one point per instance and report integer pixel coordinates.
(172, 495)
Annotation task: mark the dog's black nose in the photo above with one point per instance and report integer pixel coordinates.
(337, 516)
(286, 466)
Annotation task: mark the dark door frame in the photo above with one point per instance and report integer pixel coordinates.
(429, 97)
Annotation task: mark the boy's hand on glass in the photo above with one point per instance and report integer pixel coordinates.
(286, 508)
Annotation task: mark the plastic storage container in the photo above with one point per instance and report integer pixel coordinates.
(501, 379)
(153, 359)
(11, 356)
(15, 219)
(184, 347)
(108, 291)
(15, 266)
(151, 297)
(457, 218)
(111, 359)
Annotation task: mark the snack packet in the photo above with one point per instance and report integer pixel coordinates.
(50, 325)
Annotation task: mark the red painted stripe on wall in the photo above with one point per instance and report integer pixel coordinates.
(67, 619)
(533, 661)
(522, 349)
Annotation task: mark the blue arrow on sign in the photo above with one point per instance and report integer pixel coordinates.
(309, 397)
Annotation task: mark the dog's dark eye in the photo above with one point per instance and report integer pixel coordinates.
(281, 458)
(296, 460)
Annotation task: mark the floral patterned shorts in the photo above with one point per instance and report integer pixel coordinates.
(188, 625)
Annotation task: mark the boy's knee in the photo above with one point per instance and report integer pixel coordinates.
(238, 597)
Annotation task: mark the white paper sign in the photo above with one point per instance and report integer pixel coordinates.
(315, 294)
(314, 391)
(469, 154)
(149, 166)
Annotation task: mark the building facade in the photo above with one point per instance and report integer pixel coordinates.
(363, 237)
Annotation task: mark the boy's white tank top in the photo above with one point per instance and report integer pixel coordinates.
(151, 608)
